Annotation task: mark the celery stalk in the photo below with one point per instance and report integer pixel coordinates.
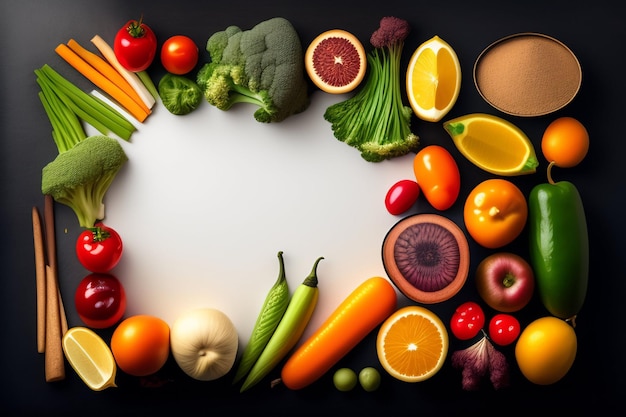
(66, 127)
(84, 106)
(144, 77)
(94, 106)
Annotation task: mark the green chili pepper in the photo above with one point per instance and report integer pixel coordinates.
(271, 313)
(559, 246)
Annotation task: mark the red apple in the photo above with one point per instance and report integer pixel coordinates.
(505, 281)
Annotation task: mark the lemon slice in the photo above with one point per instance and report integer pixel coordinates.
(412, 344)
(90, 357)
(493, 144)
(433, 79)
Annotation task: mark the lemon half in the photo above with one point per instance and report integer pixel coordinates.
(493, 144)
(90, 357)
(433, 79)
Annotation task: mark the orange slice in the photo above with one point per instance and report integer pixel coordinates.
(433, 79)
(336, 61)
(493, 144)
(412, 344)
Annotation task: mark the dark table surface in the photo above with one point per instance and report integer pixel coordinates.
(594, 31)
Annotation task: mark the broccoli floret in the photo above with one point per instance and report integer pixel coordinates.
(375, 121)
(224, 85)
(262, 66)
(179, 94)
(80, 176)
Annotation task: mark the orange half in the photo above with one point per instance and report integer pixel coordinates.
(412, 344)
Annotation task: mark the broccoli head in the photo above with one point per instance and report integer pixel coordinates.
(80, 176)
(262, 66)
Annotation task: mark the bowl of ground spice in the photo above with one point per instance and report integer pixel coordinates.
(527, 74)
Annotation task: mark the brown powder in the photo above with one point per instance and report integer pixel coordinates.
(527, 75)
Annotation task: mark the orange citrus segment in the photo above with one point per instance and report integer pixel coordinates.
(412, 344)
(493, 144)
(433, 79)
(90, 357)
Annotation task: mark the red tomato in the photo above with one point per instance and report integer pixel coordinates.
(504, 329)
(99, 249)
(467, 320)
(438, 176)
(141, 345)
(179, 54)
(401, 196)
(100, 300)
(135, 46)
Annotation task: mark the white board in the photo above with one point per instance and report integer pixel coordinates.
(208, 199)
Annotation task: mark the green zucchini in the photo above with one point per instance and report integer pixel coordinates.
(559, 247)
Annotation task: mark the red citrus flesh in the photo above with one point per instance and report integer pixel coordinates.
(336, 61)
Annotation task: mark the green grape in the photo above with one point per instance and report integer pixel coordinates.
(369, 378)
(345, 379)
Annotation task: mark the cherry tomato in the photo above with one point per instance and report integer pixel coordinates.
(179, 54)
(401, 196)
(438, 176)
(504, 329)
(99, 249)
(467, 320)
(565, 142)
(495, 212)
(135, 46)
(100, 300)
(141, 344)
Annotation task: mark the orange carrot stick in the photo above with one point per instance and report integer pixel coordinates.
(102, 82)
(106, 69)
(133, 79)
(364, 309)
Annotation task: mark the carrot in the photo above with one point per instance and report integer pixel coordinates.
(102, 82)
(364, 309)
(106, 69)
(133, 79)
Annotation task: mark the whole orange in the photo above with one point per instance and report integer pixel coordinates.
(565, 142)
(141, 344)
(495, 213)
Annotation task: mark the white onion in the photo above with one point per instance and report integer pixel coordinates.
(204, 343)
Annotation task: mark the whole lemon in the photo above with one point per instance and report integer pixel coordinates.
(546, 349)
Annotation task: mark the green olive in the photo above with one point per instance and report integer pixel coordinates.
(369, 378)
(345, 379)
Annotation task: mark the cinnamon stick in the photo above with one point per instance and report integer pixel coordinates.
(50, 234)
(40, 277)
(54, 357)
(56, 321)
(51, 252)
